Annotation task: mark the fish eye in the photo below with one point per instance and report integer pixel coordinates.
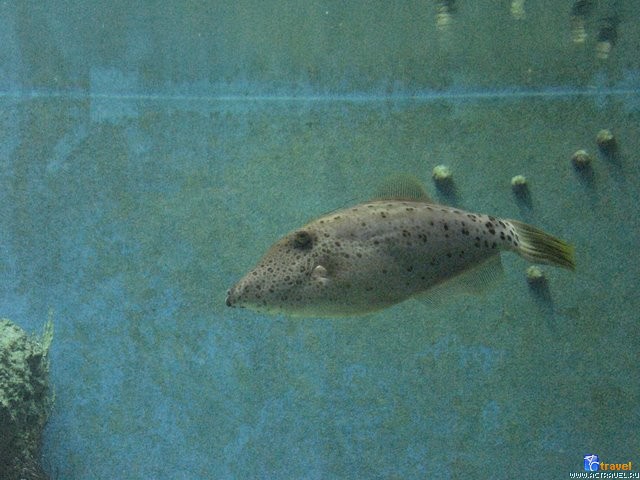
(302, 240)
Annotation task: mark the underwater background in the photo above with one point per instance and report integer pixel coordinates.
(150, 152)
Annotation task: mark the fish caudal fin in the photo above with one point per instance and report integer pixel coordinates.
(540, 247)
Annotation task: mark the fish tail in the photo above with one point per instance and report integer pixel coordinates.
(540, 247)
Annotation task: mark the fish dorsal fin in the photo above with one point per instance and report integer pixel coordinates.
(472, 281)
(402, 187)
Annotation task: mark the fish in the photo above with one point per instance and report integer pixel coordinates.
(398, 245)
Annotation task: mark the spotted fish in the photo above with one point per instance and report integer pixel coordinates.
(378, 253)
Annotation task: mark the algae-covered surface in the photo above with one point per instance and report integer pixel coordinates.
(26, 400)
(149, 157)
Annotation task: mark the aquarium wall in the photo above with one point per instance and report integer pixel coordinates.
(150, 153)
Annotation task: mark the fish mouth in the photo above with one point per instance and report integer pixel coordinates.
(229, 300)
(234, 297)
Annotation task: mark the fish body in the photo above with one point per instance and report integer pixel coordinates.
(379, 253)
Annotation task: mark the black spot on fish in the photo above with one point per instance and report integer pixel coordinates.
(410, 268)
(492, 231)
(383, 214)
(494, 245)
(446, 227)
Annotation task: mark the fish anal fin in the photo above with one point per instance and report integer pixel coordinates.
(475, 280)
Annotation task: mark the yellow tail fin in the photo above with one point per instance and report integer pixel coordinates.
(540, 247)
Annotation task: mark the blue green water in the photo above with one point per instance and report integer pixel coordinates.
(151, 153)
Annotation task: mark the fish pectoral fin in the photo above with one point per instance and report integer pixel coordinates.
(475, 280)
(320, 274)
